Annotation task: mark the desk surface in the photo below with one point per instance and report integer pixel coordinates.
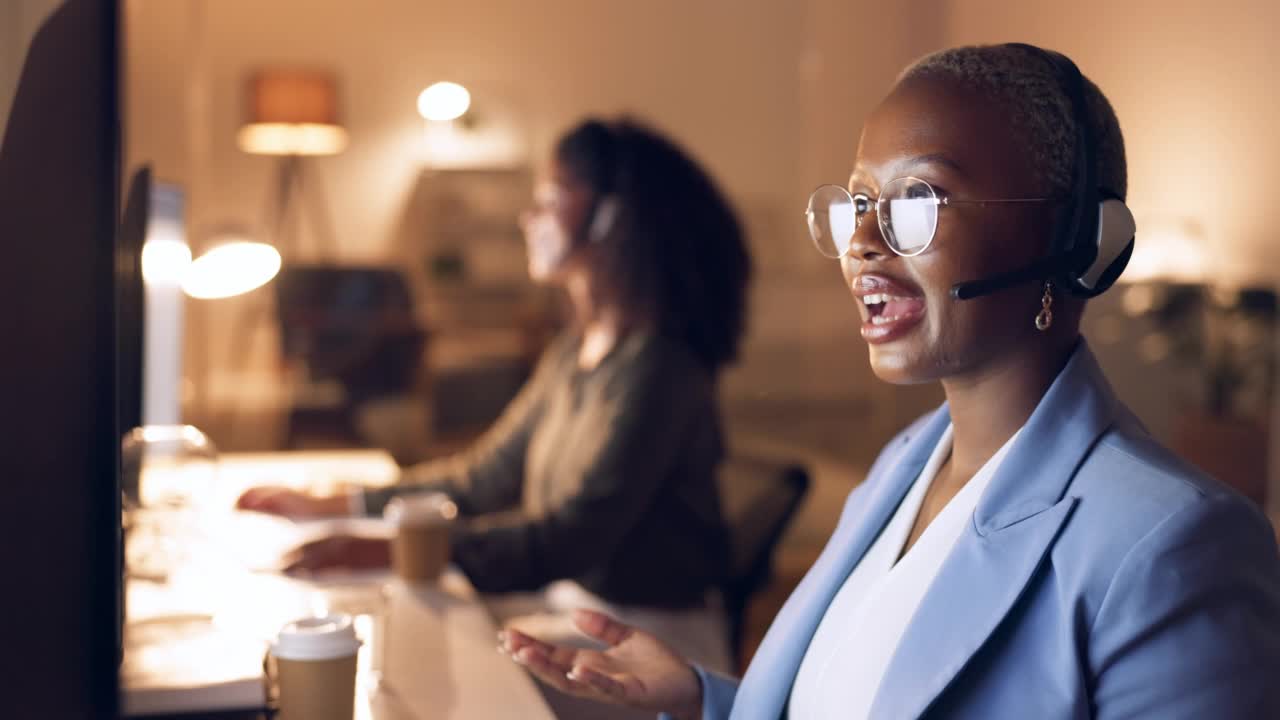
(435, 644)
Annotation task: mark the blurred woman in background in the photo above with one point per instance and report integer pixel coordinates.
(596, 487)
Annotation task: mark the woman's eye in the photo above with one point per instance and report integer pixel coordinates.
(920, 192)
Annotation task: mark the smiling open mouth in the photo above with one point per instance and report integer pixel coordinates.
(885, 308)
(893, 306)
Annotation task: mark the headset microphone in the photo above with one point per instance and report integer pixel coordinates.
(1104, 260)
(1001, 281)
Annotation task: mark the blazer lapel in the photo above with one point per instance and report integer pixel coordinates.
(767, 684)
(1015, 524)
(973, 591)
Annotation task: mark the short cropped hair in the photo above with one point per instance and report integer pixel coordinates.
(1029, 87)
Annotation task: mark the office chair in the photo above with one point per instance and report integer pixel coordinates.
(349, 327)
(759, 497)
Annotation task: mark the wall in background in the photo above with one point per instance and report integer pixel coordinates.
(19, 20)
(769, 95)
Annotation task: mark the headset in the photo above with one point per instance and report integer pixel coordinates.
(1093, 246)
(605, 204)
(603, 216)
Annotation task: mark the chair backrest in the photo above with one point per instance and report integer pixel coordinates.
(352, 324)
(759, 497)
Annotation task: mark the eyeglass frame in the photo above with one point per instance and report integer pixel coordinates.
(938, 200)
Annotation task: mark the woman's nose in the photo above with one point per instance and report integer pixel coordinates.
(868, 242)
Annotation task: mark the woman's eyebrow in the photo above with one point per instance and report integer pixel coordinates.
(936, 158)
(860, 174)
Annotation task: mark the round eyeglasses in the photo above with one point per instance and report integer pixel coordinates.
(907, 212)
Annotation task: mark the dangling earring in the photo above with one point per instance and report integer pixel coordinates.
(1045, 317)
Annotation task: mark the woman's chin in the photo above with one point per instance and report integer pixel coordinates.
(899, 366)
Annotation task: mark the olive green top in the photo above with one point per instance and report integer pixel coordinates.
(603, 476)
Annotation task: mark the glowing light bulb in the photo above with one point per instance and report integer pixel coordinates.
(444, 101)
(165, 262)
(231, 269)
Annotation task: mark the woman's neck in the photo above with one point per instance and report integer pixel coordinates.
(990, 405)
(598, 340)
(603, 322)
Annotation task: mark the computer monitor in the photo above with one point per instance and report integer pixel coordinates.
(149, 316)
(131, 299)
(60, 434)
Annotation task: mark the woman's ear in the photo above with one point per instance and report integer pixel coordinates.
(602, 220)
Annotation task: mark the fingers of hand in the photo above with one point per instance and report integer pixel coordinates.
(576, 680)
(314, 555)
(273, 500)
(512, 641)
(298, 562)
(568, 670)
(598, 681)
(252, 498)
(601, 627)
(559, 655)
(549, 672)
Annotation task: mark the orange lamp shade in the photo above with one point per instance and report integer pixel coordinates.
(292, 112)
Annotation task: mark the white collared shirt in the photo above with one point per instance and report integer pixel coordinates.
(862, 627)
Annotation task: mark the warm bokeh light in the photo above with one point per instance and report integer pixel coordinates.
(1168, 250)
(231, 269)
(170, 435)
(444, 101)
(292, 139)
(165, 262)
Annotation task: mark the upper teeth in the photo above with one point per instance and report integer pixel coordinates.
(878, 298)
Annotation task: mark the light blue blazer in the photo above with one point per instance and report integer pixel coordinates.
(1101, 578)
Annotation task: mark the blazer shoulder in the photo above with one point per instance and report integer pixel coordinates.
(1136, 502)
(1131, 490)
(1140, 475)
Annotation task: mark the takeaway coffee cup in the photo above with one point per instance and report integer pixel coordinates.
(420, 546)
(313, 661)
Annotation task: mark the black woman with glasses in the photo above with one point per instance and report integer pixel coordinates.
(1027, 550)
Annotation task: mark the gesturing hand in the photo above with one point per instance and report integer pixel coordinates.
(636, 669)
(292, 503)
(338, 551)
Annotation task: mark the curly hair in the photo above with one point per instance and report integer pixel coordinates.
(1029, 87)
(677, 250)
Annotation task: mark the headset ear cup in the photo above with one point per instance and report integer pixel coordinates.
(1114, 238)
(1113, 271)
(602, 220)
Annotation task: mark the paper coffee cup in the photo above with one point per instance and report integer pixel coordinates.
(420, 546)
(315, 668)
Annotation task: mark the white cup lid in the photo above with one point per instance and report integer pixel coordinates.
(316, 638)
(420, 509)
